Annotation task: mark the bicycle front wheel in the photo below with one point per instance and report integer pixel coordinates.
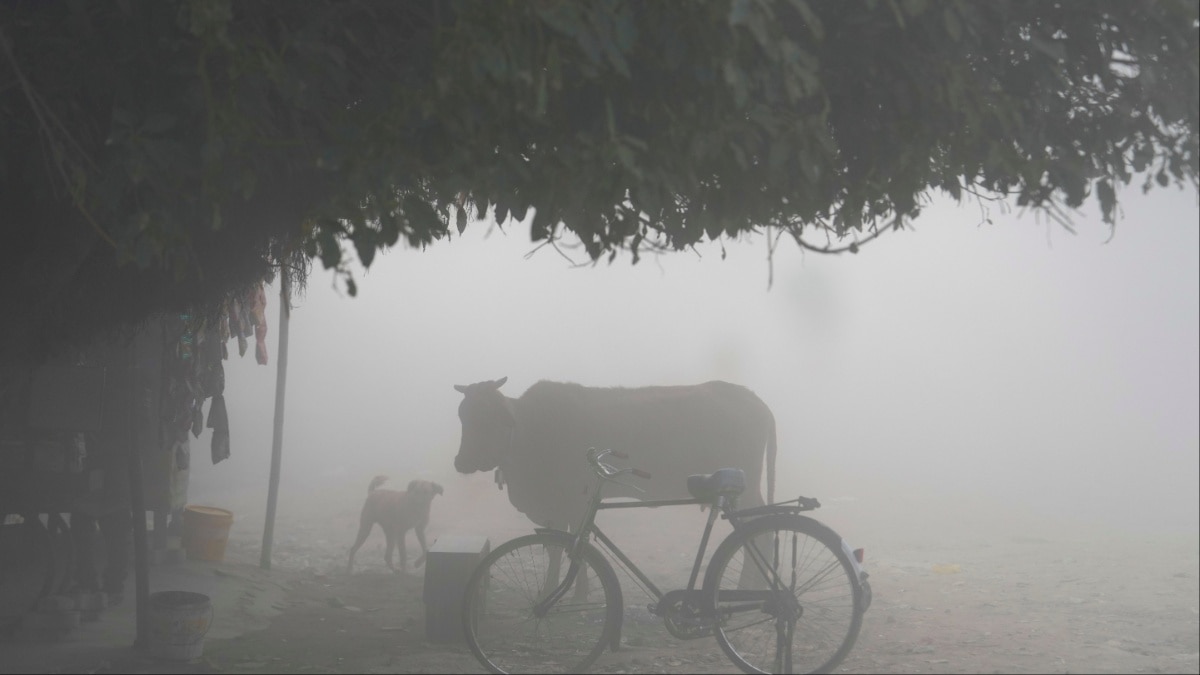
(503, 627)
(808, 620)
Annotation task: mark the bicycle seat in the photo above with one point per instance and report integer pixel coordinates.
(723, 482)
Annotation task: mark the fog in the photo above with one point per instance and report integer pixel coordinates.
(989, 373)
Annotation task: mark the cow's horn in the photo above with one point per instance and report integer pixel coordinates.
(460, 388)
(496, 384)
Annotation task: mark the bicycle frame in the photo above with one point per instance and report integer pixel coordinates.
(588, 528)
(767, 586)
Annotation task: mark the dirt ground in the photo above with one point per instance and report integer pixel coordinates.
(988, 592)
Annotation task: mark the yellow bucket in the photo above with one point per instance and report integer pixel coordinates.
(205, 532)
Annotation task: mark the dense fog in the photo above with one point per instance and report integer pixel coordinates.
(964, 367)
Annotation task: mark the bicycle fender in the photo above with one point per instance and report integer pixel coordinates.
(848, 551)
(831, 537)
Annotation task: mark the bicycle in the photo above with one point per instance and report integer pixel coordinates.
(782, 592)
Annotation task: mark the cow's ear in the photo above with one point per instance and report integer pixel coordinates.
(460, 388)
(496, 384)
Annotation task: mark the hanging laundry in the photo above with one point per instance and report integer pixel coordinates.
(183, 455)
(197, 417)
(218, 421)
(186, 340)
(210, 373)
(234, 312)
(247, 303)
(259, 312)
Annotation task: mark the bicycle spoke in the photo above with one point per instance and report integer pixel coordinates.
(502, 627)
(809, 623)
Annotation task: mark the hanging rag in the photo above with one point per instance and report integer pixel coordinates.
(236, 325)
(218, 421)
(183, 455)
(197, 417)
(259, 311)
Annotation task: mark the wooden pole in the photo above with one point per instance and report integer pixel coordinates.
(137, 505)
(277, 441)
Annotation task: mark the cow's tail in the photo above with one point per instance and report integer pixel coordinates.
(771, 447)
(376, 482)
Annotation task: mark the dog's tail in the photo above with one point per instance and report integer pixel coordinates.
(376, 482)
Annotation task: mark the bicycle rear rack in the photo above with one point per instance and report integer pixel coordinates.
(797, 505)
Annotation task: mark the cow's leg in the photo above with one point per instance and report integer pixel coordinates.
(751, 577)
(554, 567)
(554, 572)
(581, 583)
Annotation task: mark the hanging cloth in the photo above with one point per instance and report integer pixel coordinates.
(218, 421)
(259, 312)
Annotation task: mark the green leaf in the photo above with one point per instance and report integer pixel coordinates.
(122, 117)
(364, 243)
(739, 12)
(778, 155)
(542, 96)
(811, 20)
(389, 230)
(421, 215)
(248, 181)
(628, 159)
(953, 23)
(1108, 199)
(542, 226)
(157, 123)
(331, 252)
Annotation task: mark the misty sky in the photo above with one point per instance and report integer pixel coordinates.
(962, 360)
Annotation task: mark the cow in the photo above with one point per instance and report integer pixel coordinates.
(538, 441)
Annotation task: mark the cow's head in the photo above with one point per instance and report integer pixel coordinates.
(487, 426)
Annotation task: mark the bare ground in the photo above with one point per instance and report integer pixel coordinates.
(958, 587)
(988, 592)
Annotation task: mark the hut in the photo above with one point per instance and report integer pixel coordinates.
(95, 440)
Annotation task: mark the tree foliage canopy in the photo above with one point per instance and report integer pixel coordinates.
(155, 155)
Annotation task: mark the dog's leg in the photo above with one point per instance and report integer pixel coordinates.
(400, 547)
(391, 541)
(364, 529)
(424, 549)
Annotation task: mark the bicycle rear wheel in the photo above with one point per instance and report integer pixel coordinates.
(810, 623)
(498, 608)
